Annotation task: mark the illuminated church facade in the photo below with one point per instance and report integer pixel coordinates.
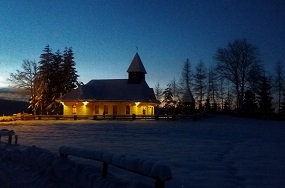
(113, 96)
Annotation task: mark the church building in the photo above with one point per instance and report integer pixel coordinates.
(113, 96)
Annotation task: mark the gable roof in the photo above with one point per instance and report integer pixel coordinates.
(136, 65)
(112, 90)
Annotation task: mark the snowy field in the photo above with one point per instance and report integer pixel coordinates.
(219, 151)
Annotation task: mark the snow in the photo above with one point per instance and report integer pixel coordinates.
(147, 167)
(221, 151)
(6, 132)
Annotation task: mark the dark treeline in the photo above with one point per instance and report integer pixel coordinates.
(236, 83)
(12, 106)
(47, 80)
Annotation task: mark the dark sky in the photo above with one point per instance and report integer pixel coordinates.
(105, 33)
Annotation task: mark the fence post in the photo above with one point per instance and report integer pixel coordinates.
(10, 139)
(104, 169)
(16, 139)
(134, 117)
(159, 184)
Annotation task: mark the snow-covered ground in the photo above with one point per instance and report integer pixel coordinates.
(220, 151)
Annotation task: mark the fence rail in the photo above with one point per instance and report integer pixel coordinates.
(102, 117)
(144, 167)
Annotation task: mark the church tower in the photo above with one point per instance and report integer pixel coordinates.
(136, 71)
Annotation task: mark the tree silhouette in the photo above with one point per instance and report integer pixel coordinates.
(53, 76)
(169, 103)
(282, 110)
(234, 63)
(212, 85)
(279, 82)
(24, 82)
(158, 92)
(250, 105)
(264, 97)
(186, 75)
(200, 77)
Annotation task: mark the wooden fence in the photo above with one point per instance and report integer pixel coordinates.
(106, 117)
(144, 167)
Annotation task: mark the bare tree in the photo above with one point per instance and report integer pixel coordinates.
(23, 81)
(158, 92)
(176, 91)
(279, 82)
(212, 85)
(234, 63)
(200, 77)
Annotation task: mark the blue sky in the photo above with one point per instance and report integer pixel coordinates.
(104, 34)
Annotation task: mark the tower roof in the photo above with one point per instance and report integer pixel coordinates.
(136, 65)
(188, 97)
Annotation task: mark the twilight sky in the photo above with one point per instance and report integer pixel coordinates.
(104, 34)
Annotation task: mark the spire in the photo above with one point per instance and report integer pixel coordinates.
(188, 97)
(136, 65)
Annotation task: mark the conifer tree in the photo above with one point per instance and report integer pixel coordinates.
(186, 75)
(70, 79)
(57, 76)
(56, 84)
(45, 78)
(264, 97)
(169, 103)
(250, 106)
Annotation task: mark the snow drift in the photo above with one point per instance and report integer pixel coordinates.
(37, 167)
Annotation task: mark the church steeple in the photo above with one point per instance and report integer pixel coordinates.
(136, 70)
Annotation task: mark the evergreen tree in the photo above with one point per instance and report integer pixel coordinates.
(169, 103)
(264, 97)
(56, 84)
(57, 76)
(186, 75)
(250, 106)
(70, 79)
(45, 78)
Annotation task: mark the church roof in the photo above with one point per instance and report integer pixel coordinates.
(112, 90)
(136, 65)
